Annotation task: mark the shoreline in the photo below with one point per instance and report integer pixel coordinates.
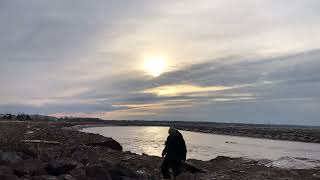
(80, 127)
(297, 133)
(274, 132)
(220, 145)
(87, 155)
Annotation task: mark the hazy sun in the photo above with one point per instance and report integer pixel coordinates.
(155, 66)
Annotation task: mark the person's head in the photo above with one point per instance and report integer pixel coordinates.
(172, 130)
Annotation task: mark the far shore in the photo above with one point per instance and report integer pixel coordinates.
(297, 133)
(275, 132)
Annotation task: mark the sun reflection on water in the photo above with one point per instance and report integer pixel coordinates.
(150, 140)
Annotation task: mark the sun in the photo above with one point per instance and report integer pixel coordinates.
(155, 66)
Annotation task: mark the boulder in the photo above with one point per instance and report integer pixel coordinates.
(97, 172)
(44, 177)
(5, 170)
(9, 157)
(106, 164)
(85, 155)
(28, 167)
(192, 168)
(8, 177)
(110, 143)
(58, 167)
(187, 176)
(66, 177)
(118, 172)
(27, 151)
(78, 173)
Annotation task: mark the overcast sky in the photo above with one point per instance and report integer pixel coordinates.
(227, 60)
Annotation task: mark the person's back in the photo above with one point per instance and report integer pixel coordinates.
(175, 147)
(175, 153)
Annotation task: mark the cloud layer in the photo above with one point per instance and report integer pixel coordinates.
(253, 62)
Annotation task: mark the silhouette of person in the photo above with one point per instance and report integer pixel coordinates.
(174, 154)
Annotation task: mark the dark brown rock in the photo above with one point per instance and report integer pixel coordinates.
(79, 173)
(119, 171)
(9, 157)
(5, 170)
(192, 168)
(66, 177)
(85, 155)
(187, 176)
(45, 177)
(97, 172)
(8, 177)
(110, 143)
(28, 167)
(106, 164)
(58, 167)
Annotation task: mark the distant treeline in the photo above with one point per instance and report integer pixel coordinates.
(27, 117)
(19, 117)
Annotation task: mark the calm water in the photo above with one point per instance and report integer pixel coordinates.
(150, 140)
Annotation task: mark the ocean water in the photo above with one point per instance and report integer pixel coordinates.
(150, 140)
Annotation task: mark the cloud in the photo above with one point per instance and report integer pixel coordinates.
(59, 108)
(172, 90)
(83, 57)
(277, 82)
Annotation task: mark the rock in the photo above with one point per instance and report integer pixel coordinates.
(122, 178)
(106, 164)
(58, 167)
(97, 172)
(85, 155)
(66, 177)
(5, 170)
(25, 156)
(78, 173)
(27, 151)
(44, 177)
(28, 167)
(110, 143)
(8, 177)
(186, 176)
(9, 157)
(221, 158)
(192, 168)
(118, 171)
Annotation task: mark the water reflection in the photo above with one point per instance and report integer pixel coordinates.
(150, 140)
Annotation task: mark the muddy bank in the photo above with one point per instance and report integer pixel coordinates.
(30, 150)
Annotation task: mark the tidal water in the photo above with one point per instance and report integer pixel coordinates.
(150, 140)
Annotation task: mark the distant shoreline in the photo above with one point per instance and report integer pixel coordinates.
(298, 134)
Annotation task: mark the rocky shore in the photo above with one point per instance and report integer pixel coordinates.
(54, 150)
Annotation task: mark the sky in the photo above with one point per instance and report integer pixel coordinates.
(242, 61)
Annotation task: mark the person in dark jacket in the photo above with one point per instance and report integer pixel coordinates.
(174, 153)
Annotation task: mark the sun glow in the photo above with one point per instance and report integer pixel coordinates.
(173, 90)
(155, 66)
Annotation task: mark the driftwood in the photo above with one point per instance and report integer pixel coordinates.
(40, 141)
